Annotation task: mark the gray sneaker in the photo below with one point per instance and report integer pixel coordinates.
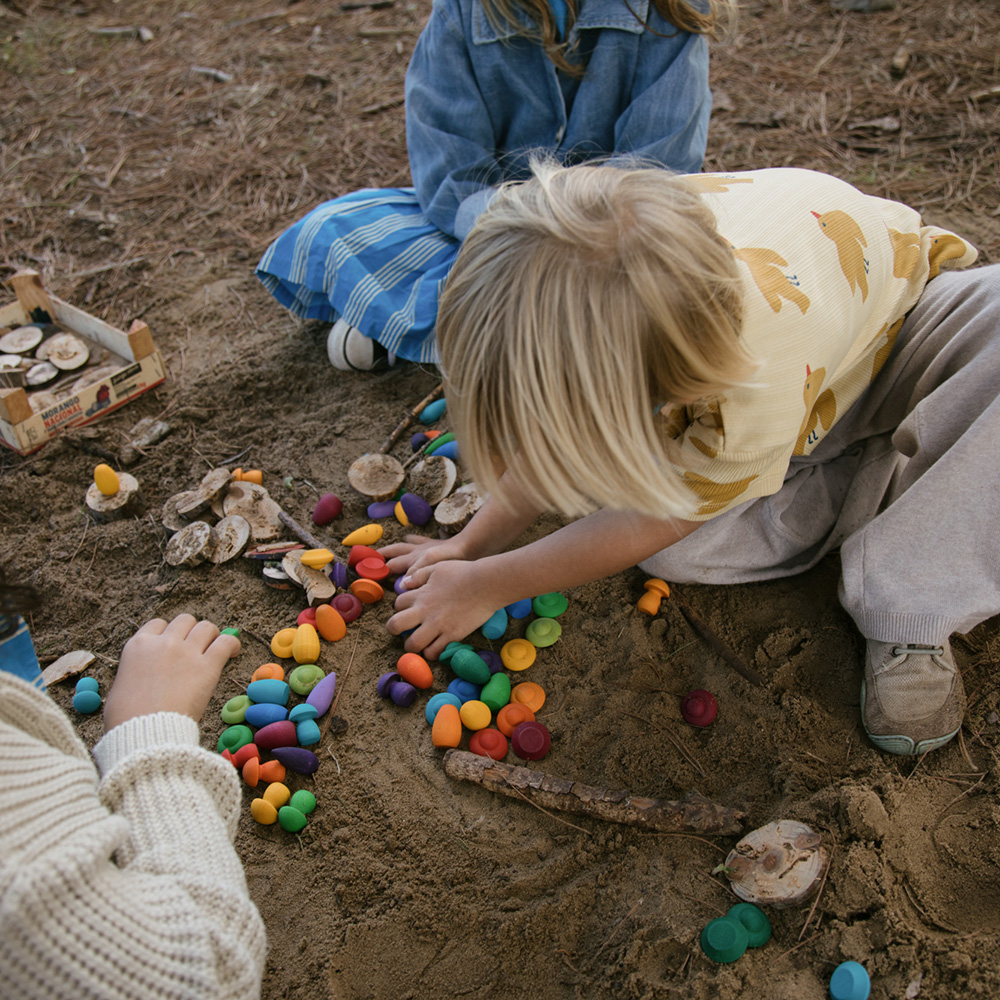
(912, 698)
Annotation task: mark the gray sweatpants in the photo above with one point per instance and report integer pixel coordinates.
(906, 484)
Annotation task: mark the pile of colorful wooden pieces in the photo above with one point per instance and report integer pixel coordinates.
(480, 691)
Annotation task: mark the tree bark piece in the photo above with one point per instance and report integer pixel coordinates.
(318, 586)
(693, 812)
(68, 665)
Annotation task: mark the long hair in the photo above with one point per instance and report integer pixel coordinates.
(683, 15)
(582, 299)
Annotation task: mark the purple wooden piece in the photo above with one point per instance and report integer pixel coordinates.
(321, 696)
(385, 681)
(402, 693)
(492, 659)
(297, 759)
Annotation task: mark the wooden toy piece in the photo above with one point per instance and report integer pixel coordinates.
(106, 479)
(316, 558)
(367, 534)
(249, 476)
(367, 591)
(305, 645)
(122, 503)
(656, 590)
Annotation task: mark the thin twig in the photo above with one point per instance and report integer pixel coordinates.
(410, 417)
(617, 927)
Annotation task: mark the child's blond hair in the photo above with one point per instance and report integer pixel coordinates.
(582, 299)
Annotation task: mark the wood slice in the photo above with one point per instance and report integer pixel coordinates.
(13, 373)
(66, 351)
(202, 496)
(779, 865)
(255, 504)
(122, 504)
(376, 476)
(39, 401)
(318, 586)
(232, 534)
(454, 512)
(41, 374)
(191, 546)
(21, 341)
(433, 478)
(169, 518)
(68, 665)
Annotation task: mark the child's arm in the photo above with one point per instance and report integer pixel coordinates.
(445, 601)
(492, 528)
(449, 131)
(144, 860)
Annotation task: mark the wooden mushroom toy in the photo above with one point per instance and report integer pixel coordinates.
(656, 590)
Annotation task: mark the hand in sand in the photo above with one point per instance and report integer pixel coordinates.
(443, 602)
(418, 551)
(168, 667)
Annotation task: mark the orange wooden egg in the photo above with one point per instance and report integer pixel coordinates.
(412, 667)
(330, 623)
(447, 728)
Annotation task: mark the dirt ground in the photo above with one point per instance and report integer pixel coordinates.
(143, 187)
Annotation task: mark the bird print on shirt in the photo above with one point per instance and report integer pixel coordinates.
(850, 243)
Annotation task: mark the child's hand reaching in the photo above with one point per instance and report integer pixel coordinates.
(418, 551)
(168, 667)
(443, 601)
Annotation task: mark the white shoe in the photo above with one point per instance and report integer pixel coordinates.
(349, 350)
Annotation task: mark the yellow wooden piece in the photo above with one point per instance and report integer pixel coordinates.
(518, 654)
(316, 558)
(367, 534)
(263, 812)
(401, 514)
(305, 645)
(281, 642)
(475, 715)
(106, 480)
(277, 794)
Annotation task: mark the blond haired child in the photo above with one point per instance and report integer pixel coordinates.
(490, 83)
(735, 374)
(120, 881)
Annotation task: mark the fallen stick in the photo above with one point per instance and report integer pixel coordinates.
(410, 417)
(708, 634)
(296, 529)
(692, 812)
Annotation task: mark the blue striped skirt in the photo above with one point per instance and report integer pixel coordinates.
(371, 257)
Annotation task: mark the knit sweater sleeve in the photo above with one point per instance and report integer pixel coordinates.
(129, 886)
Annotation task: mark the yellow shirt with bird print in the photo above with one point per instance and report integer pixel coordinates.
(829, 275)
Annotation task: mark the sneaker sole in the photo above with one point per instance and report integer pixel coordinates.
(904, 745)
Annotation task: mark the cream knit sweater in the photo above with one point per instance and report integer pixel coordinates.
(123, 886)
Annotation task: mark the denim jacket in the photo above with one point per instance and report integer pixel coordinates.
(478, 102)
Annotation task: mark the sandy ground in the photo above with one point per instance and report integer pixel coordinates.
(406, 884)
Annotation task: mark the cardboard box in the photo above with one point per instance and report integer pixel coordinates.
(141, 368)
